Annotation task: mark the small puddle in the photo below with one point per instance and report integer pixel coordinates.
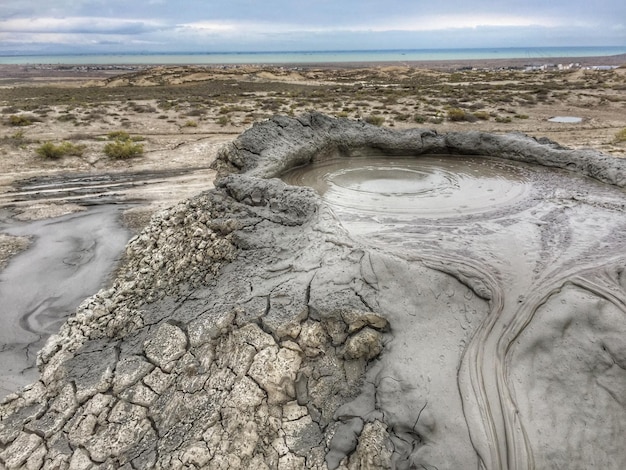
(566, 119)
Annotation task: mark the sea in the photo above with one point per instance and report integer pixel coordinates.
(313, 57)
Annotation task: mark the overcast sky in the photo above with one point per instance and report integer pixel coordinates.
(65, 26)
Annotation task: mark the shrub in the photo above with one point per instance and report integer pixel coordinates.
(118, 135)
(121, 149)
(20, 120)
(620, 136)
(457, 114)
(52, 151)
(16, 140)
(190, 123)
(49, 150)
(375, 119)
(482, 115)
(420, 119)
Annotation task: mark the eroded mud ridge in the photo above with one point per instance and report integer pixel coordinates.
(263, 325)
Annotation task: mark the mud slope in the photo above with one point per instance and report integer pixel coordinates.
(476, 320)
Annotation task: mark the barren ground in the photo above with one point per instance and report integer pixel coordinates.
(182, 115)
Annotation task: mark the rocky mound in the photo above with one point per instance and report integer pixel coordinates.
(248, 329)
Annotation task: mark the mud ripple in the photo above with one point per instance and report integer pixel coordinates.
(408, 186)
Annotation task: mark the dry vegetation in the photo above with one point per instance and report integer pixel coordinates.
(167, 108)
(61, 121)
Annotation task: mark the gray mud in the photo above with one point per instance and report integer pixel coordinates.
(521, 232)
(475, 321)
(70, 258)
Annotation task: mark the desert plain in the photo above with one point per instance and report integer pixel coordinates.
(181, 115)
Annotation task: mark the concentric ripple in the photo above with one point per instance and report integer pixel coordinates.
(427, 186)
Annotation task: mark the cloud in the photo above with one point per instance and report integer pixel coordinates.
(85, 25)
(245, 25)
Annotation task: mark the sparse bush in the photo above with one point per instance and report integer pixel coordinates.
(223, 120)
(123, 149)
(521, 116)
(420, 119)
(16, 140)
(52, 151)
(20, 120)
(374, 119)
(190, 123)
(123, 146)
(457, 114)
(504, 119)
(620, 136)
(118, 135)
(482, 115)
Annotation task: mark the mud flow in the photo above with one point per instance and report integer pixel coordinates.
(521, 361)
(70, 259)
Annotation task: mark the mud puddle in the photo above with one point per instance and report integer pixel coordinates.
(71, 256)
(544, 366)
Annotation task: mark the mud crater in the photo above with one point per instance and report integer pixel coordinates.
(517, 234)
(428, 186)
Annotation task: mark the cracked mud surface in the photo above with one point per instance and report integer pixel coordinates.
(258, 325)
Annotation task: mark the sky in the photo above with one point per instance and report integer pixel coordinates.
(126, 26)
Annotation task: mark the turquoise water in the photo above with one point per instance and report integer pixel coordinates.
(317, 56)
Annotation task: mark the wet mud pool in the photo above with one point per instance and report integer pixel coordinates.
(70, 258)
(521, 360)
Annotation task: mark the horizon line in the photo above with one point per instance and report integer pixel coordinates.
(303, 51)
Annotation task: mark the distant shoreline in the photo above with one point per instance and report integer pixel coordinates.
(312, 58)
(81, 71)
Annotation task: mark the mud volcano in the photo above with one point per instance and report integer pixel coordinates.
(436, 301)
